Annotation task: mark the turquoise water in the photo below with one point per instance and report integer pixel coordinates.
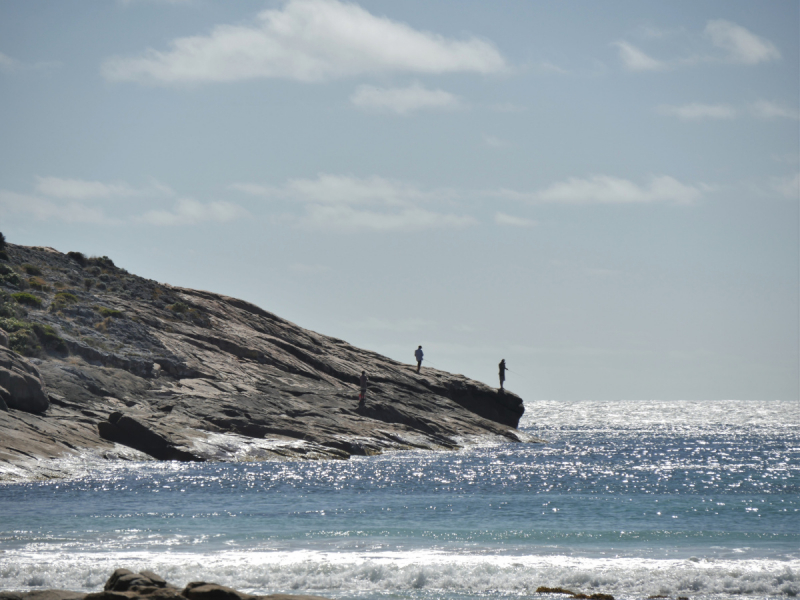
(641, 498)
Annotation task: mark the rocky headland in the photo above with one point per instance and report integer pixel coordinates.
(95, 359)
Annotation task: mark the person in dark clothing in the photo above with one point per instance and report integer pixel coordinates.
(362, 398)
(502, 366)
(418, 356)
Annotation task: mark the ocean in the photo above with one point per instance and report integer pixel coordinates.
(630, 498)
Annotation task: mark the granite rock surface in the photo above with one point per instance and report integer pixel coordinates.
(126, 367)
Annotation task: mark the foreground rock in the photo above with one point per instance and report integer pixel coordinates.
(146, 585)
(123, 366)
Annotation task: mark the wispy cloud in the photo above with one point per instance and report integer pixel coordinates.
(720, 42)
(345, 189)
(764, 109)
(9, 64)
(504, 219)
(12, 203)
(636, 60)
(604, 189)
(741, 45)
(188, 211)
(403, 100)
(80, 189)
(346, 204)
(696, 111)
(310, 41)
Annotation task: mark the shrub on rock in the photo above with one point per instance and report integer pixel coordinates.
(31, 269)
(78, 257)
(28, 299)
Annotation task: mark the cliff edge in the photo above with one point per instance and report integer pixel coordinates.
(95, 358)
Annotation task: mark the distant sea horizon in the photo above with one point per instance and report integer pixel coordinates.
(632, 498)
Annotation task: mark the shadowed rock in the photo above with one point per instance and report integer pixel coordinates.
(146, 585)
(21, 385)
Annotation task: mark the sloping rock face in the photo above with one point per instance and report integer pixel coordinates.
(177, 374)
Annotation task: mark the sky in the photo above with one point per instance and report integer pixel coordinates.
(604, 194)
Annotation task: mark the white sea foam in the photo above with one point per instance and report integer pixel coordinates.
(403, 572)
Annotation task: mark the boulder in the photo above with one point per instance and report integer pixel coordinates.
(3, 339)
(123, 580)
(22, 383)
(143, 436)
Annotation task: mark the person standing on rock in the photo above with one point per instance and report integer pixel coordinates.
(364, 381)
(418, 355)
(502, 366)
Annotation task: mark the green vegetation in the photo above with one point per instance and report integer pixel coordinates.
(88, 283)
(3, 255)
(179, 307)
(66, 297)
(61, 300)
(78, 257)
(27, 299)
(2, 241)
(103, 261)
(31, 269)
(8, 307)
(7, 275)
(49, 338)
(38, 283)
(110, 312)
(29, 339)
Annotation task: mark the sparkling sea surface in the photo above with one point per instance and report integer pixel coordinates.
(631, 498)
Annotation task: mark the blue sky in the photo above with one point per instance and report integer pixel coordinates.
(605, 195)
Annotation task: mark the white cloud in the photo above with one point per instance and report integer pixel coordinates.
(306, 40)
(345, 189)
(770, 110)
(604, 189)
(504, 219)
(346, 219)
(788, 186)
(189, 212)
(636, 60)
(696, 111)
(345, 204)
(79, 189)
(403, 100)
(42, 209)
(741, 45)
